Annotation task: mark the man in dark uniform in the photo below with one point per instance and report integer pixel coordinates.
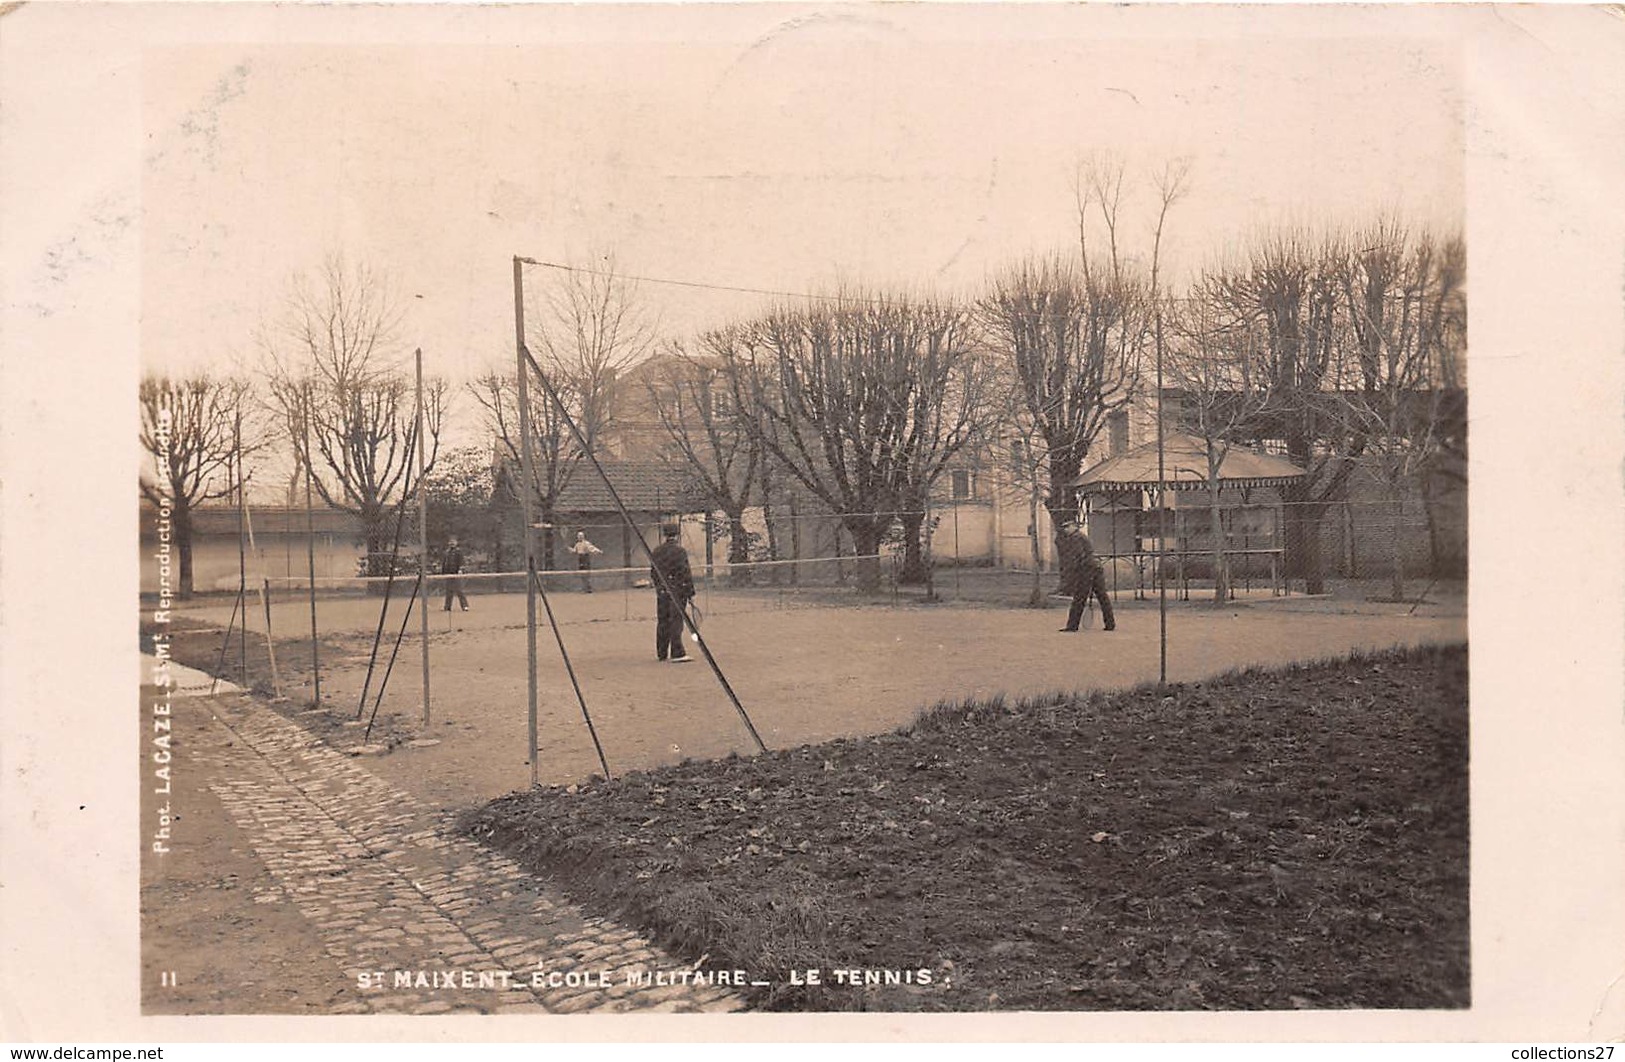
(451, 563)
(671, 570)
(1082, 576)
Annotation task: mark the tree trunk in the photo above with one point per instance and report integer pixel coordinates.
(1430, 510)
(1221, 574)
(375, 532)
(1398, 584)
(546, 561)
(866, 536)
(738, 550)
(1314, 578)
(1059, 515)
(1303, 560)
(1035, 598)
(913, 573)
(180, 530)
(774, 572)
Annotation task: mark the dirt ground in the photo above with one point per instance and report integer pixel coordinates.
(804, 674)
(1287, 839)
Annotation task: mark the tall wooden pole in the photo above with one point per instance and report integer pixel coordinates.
(310, 540)
(423, 542)
(525, 508)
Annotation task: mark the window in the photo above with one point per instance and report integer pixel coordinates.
(1117, 428)
(962, 483)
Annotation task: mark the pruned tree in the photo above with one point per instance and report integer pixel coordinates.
(348, 404)
(1404, 296)
(860, 399)
(1290, 282)
(190, 427)
(951, 413)
(1074, 348)
(695, 401)
(1075, 336)
(589, 329)
(554, 453)
(1212, 361)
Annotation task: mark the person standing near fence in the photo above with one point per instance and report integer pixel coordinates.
(670, 571)
(1083, 576)
(451, 563)
(584, 551)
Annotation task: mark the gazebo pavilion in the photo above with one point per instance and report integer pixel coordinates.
(1119, 498)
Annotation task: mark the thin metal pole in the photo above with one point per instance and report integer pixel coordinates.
(1162, 527)
(423, 541)
(524, 493)
(310, 540)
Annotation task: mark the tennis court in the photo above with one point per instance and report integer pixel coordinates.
(806, 668)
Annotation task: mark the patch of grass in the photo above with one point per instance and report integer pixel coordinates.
(1266, 839)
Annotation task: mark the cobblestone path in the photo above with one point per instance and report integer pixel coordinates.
(434, 920)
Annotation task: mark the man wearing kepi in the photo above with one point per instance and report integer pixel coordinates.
(670, 572)
(1083, 576)
(451, 563)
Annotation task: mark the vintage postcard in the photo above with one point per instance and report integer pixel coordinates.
(812, 522)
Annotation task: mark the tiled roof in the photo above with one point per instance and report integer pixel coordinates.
(1185, 467)
(645, 486)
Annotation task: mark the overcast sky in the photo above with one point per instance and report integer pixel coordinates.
(781, 148)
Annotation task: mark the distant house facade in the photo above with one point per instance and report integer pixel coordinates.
(282, 541)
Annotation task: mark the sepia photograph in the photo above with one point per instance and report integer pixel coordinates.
(852, 509)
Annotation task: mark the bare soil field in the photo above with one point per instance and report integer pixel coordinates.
(1275, 839)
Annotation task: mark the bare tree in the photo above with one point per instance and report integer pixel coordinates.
(189, 425)
(1290, 282)
(1404, 297)
(554, 453)
(694, 400)
(588, 331)
(335, 380)
(950, 414)
(1212, 363)
(861, 399)
(1074, 349)
(1076, 335)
